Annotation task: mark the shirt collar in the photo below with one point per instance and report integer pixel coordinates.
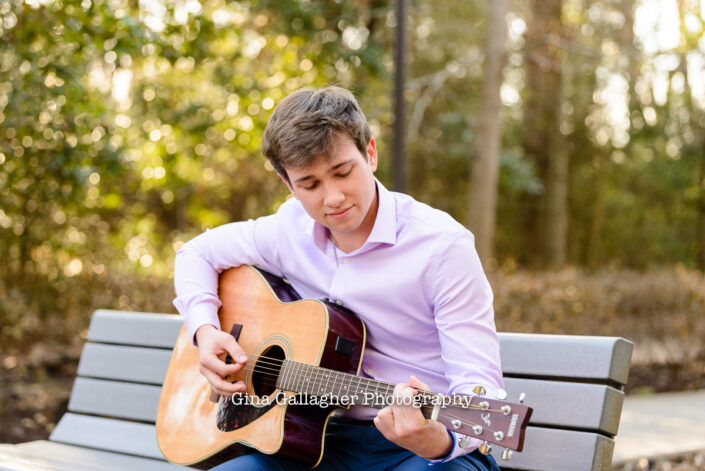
(384, 230)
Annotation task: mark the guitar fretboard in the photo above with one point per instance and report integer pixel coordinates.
(343, 388)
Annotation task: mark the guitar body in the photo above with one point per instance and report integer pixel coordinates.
(275, 325)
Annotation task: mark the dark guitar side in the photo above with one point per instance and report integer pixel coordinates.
(304, 426)
(341, 346)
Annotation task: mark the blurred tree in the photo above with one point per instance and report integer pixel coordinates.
(127, 128)
(58, 140)
(485, 163)
(540, 129)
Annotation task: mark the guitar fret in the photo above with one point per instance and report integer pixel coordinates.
(307, 379)
(299, 380)
(287, 382)
(281, 377)
(340, 391)
(319, 384)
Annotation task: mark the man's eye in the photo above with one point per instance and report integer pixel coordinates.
(345, 174)
(311, 187)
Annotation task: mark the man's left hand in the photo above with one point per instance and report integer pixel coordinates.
(405, 425)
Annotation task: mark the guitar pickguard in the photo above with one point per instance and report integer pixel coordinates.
(233, 415)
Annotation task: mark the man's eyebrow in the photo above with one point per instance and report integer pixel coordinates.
(307, 177)
(336, 167)
(332, 169)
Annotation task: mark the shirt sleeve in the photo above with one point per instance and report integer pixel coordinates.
(201, 260)
(462, 302)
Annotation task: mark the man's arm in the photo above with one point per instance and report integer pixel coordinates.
(196, 270)
(464, 316)
(461, 297)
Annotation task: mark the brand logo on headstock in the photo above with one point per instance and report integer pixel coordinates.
(486, 418)
(512, 425)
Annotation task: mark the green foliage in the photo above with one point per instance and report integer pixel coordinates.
(127, 128)
(126, 131)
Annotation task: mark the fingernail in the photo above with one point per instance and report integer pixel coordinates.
(242, 358)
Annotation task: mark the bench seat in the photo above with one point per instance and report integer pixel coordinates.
(574, 384)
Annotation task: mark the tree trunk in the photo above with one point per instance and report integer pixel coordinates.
(485, 166)
(557, 202)
(699, 142)
(594, 246)
(543, 79)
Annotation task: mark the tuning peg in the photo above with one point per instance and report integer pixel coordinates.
(464, 442)
(479, 390)
(507, 455)
(485, 448)
(522, 396)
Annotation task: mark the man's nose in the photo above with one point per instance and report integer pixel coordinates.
(334, 196)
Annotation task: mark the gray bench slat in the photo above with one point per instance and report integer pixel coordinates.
(126, 363)
(45, 455)
(566, 356)
(591, 407)
(131, 438)
(115, 399)
(150, 330)
(565, 450)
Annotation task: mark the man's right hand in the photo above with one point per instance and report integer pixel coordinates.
(213, 345)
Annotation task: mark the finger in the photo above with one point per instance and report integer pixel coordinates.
(384, 421)
(222, 387)
(211, 362)
(229, 345)
(415, 383)
(406, 416)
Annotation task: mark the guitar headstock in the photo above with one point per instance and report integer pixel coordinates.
(494, 421)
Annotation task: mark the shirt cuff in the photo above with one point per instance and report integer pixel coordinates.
(198, 316)
(456, 450)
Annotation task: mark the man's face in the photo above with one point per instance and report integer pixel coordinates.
(340, 192)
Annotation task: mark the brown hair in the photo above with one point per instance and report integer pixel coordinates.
(304, 125)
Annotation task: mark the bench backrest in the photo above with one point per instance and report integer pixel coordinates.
(573, 382)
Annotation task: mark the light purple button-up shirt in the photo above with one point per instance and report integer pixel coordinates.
(417, 283)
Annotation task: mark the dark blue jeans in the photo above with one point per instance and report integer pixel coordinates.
(355, 448)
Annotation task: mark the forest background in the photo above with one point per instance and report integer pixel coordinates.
(569, 135)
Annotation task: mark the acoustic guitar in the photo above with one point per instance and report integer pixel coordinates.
(305, 357)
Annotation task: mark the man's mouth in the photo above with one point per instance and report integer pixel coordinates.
(341, 213)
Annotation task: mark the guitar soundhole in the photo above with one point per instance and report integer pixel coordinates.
(266, 371)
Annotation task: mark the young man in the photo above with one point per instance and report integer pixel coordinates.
(410, 272)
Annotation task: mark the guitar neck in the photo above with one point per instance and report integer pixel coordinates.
(341, 388)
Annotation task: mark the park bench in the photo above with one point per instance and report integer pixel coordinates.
(574, 384)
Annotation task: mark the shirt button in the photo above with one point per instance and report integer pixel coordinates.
(347, 259)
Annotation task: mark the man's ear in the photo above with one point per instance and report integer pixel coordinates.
(288, 184)
(372, 154)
